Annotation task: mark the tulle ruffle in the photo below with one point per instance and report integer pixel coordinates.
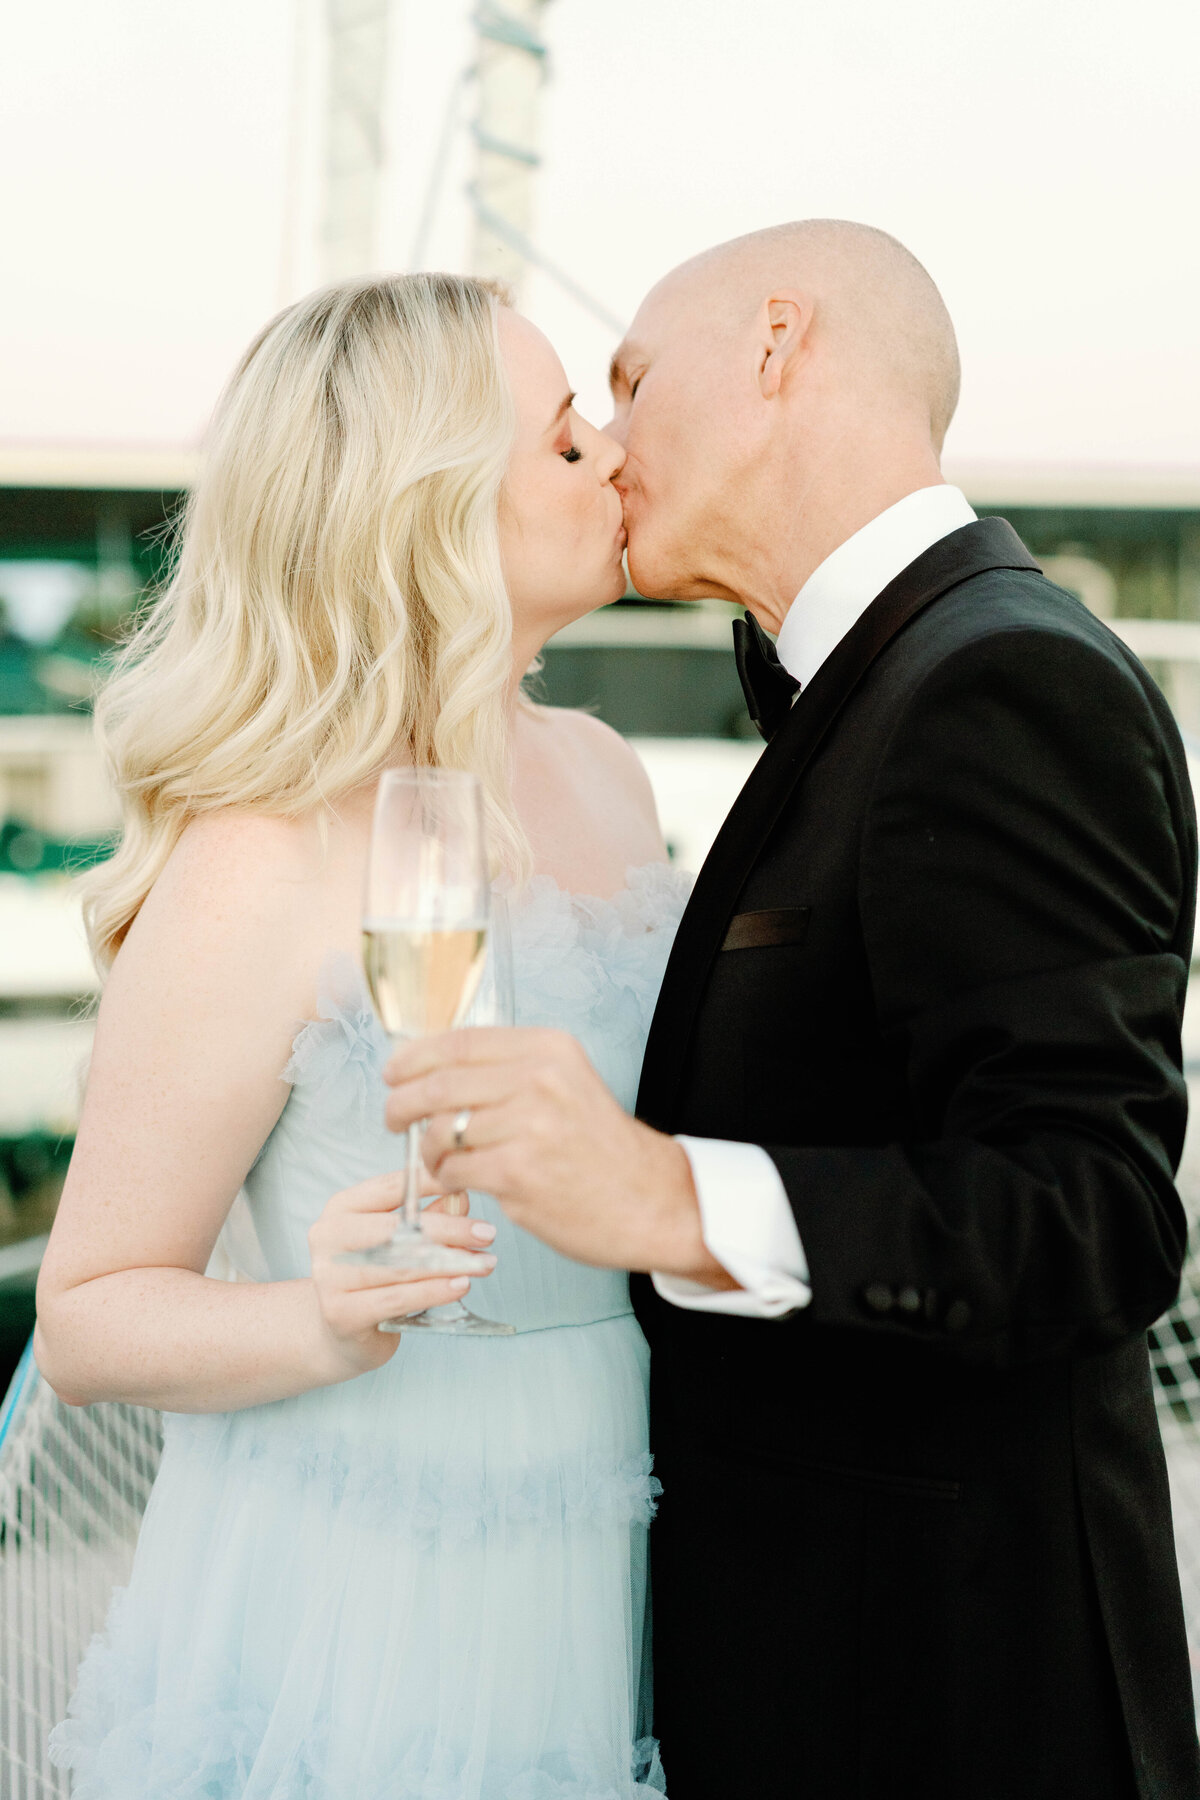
(593, 966)
(337, 1057)
(203, 1744)
(218, 1754)
(418, 1497)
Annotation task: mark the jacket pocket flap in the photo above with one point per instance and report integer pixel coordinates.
(776, 925)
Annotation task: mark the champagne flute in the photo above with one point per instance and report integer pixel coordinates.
(425, 931)
(494, 1004)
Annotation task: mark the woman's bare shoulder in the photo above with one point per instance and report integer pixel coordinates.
(236, 852)
(244, 833)
(608, 776)
(243, 886)
(588, 738)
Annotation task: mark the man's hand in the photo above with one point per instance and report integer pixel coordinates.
(548, 1139)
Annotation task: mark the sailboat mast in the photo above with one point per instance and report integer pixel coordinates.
(511, 69)
(356, 39)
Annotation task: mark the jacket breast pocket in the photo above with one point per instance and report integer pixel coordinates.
(771, 926)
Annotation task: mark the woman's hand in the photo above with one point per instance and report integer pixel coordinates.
(354, 1297)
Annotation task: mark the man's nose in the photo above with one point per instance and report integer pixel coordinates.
(614, 452)
(616, 429)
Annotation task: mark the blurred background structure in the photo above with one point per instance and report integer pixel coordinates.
(185, 172)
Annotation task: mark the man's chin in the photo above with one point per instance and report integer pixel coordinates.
(655, 576)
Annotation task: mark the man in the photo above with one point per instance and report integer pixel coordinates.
(918, 1051)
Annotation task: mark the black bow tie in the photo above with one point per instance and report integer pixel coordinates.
(768, 687)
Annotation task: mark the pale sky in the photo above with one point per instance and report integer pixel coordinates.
(1042, 157)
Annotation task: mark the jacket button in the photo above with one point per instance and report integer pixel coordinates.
(958, 1316)
(878, 1298)
(908, 1300)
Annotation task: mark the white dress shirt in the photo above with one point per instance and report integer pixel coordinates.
(747, 1219)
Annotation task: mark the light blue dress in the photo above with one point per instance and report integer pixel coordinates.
(428, 1582)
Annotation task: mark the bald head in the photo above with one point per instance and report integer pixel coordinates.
(773, 395)
(876, 310)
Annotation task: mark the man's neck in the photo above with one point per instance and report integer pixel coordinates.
(842, 587)
(821, 523)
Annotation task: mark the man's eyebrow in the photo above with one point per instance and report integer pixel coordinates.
(628, 353)
(565, 407)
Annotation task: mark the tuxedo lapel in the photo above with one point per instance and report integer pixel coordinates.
(984, 544)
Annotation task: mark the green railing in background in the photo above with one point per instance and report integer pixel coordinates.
(24, 850)
(32, 1170)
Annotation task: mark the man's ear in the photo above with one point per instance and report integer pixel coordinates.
(785, 323)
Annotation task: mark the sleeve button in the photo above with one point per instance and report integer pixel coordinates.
(878, 1297)
(908, 1300)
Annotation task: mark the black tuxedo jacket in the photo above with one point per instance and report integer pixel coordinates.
(915, 1539)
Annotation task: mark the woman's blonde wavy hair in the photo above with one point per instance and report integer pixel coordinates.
(336, 600)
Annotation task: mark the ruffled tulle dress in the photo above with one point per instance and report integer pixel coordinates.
(428, 1582)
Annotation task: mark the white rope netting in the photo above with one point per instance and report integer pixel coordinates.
(1175, 1355)
(74, 1483)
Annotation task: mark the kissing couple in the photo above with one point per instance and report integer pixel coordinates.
(883, 1113)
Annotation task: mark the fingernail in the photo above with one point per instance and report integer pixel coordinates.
(482, 1233)
(461, 1283)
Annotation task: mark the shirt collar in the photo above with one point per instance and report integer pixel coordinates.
(840, 589)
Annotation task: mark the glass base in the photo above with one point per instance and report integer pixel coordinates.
(454, 1318)
(411, 1249)
(407, 1249)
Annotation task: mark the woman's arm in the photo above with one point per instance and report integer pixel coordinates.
(195, 1026)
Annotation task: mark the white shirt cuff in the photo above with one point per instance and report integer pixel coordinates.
(748, 1225)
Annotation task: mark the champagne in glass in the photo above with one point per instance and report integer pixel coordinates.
(421, 979)
(425, 932)
(494, 1004)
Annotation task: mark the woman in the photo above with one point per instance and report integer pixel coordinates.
(371, 1566)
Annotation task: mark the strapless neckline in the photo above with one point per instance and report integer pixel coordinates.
(634, 877)
(545, 918)
(652, 894)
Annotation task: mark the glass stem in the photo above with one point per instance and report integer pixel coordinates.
(412, 1190)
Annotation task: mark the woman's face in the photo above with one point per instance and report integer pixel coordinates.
(561, 533)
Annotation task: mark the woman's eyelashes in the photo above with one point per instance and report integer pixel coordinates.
(572, 455)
